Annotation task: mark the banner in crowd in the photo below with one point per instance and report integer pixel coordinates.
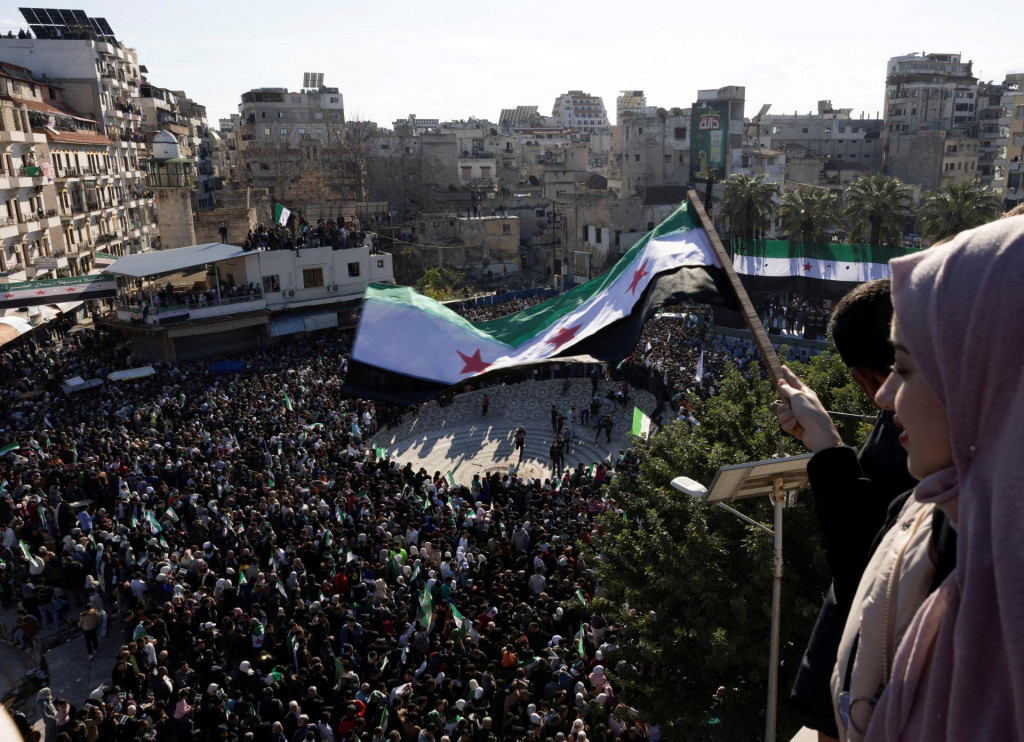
(77, 288)
(827, 270)
(410, 348)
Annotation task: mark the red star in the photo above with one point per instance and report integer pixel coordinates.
(807, 267)
(637, 275)
(40, 293)
(8, 296)
(71, 289)
(565, 334)
(474, 364)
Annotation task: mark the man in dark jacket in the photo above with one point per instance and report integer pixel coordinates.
(852, 491)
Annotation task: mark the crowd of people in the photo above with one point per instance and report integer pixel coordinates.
(268, 573)
(338, 235)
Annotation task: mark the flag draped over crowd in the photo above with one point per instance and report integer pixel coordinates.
(409, 348)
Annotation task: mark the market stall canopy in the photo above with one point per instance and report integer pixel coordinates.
(159, 262)
(131, 373)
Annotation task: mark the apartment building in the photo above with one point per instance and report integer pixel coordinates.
(30, 224)
(97, 78)
(281, 133)
(929, 98)
(580, 111)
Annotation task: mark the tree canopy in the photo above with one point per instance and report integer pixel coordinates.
(747, 206)
(691, 585)
(875, 204)
(808, 213)
(956, 206)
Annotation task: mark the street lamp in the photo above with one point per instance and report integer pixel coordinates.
(774, 478)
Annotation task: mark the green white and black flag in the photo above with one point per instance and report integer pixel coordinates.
(597, 321)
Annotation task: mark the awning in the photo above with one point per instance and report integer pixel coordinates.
(302, 323)
(212, 328)
(66, 306)
(131, 373)
(159, 262)
(12, 328)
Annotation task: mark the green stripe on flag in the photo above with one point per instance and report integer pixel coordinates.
(641, 423)
(8, 448)
(287, 401)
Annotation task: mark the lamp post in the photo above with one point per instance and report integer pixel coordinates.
(773, 477)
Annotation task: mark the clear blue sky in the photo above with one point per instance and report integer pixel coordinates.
(451, 60)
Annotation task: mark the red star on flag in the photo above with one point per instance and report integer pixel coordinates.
(40, 293)
(637, 275)
(71, 289)
(807, 267)
(8, 296)
(565, 334)
(474, 364)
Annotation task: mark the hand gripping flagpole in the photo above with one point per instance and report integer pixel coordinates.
(760, 337)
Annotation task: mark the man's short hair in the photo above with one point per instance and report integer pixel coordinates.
(860, 326)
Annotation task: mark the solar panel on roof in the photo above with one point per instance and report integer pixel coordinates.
(105, 26)
(29, 14)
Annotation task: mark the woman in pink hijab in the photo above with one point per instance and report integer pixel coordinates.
(957, 387)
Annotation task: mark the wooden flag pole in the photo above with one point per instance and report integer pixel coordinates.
(760, 337)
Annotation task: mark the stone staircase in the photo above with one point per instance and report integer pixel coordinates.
(457, 438)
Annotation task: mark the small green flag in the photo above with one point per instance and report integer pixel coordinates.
(328, 539)
(281, 214)
(579, 643)
(241, 576)
(270, 479)
(153, 523)
(450, 479)
(579, 597)
(459, 619)
(8, 448)
(426, 607)
(287, 401)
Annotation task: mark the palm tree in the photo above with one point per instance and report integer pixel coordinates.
(807, 213)
(748, 205)
(956, 206)
(876, 203)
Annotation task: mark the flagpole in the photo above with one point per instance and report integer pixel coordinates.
(757, 333)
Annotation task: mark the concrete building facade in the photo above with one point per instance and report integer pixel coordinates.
(580, 111)
(99, 80)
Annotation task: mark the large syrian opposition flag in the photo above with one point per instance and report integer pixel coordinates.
(802, 269)
(78, 288)
(409, 348)
(281, 214)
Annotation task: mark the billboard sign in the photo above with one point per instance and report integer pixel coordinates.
(709, 132)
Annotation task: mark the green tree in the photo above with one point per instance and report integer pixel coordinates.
(441, 283)
(874, 205)
(747, 206)
(690, 585)
(956, 206)
(807, 213)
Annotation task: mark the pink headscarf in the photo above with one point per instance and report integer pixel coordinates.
(959, 671)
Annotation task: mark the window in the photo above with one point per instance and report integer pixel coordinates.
(282, 114)
(312, 278)
(300, 115)
(636, 158)
(485, 171)
(803, 130)
(380, 263)
(271, 284)
(334, 99)
(586, 232)
(597, 235)
(296, 99)
(680, 132)
(300, 131)
(266, 130)
(318, 115)
(538, 212)
(668, 159)
(353, 270)
(506, 229)
(284, 132)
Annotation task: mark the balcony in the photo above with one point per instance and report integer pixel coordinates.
(193, 310)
